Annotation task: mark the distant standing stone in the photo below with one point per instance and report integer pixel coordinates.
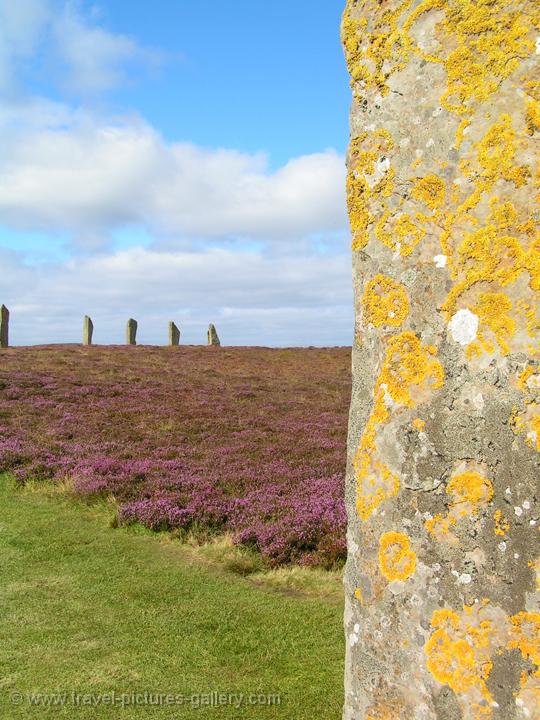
(4, 327)
(131, 332)
(213, 338)
(88, 330)
(174, 334)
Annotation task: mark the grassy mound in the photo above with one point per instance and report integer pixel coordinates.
(93, 618)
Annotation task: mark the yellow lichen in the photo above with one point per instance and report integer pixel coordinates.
(397, 561)
(440, 526)
(502, 526)
(359, 217)
(410, 368)
(418, 424)
(532, 264)
(529, 379)
(527, 419)
(409, 372)
(533, 438)
(430, 190)
(493, 310)
(469, 493)
(486, 255)
(532, 324)
(458, 653)
(460, 132)
(385, 302)
(488, 38)
(525, 635)
(498, 250)
(364, 181)
(384, 711)
(532, 117)
(497, 149)
(371, 45)
(374, 480)
(460, 650)
(399, 233)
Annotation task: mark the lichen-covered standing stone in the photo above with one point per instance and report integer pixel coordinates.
(174, 334)
(88, 330)
(213, 338)
(442, 607)
(131, 332)
(4, 327)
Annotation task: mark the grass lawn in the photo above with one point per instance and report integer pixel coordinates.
(88, 611)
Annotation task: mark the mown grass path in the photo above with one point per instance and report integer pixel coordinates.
(92, 611)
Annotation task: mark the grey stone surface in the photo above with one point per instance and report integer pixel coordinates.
(213, 338)
(442, 606)
(174, 334)
(88, 330)
(131, 332)
(4, 327)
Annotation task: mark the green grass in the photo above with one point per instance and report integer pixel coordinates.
(92, 610)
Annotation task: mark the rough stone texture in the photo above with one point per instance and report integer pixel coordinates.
(4, 327)
(131, 332)
(88, 330)
(213, 338)
(442, 577)
(174, 334)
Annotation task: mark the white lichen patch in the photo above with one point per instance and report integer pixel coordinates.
(463, 578)
(463, 326)
(478, 401)
(382, 165)
(440, 261)
(533, 382)
(355, 635)
(531, 437)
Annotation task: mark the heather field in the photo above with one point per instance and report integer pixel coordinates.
(248, 442)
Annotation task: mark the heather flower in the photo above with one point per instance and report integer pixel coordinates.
(250, 441)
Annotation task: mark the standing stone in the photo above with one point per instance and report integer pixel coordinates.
(442, 605)
(174, 335)
(4, 327)
(131, 332)
(88, 330)
(213, 338)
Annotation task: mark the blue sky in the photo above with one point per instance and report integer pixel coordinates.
(249, 75)
(136, 137)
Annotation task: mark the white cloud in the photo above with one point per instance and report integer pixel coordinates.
(252, 298)
(95, 58)
(231, 241)
(22, 23)
(88, 58)
(90, 178)
(66, 170)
